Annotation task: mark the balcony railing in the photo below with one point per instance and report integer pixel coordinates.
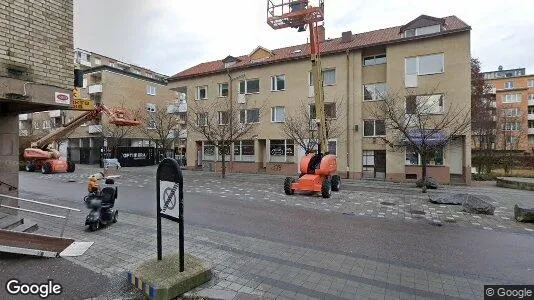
(84, 63)
(177, 108)
(531, 116)
(95, 88)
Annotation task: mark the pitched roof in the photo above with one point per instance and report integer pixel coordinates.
(331, 46)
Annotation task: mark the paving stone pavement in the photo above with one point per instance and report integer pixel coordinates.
(253, 266)
(375, 199)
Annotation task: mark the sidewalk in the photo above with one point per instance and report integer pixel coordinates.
(270, 270)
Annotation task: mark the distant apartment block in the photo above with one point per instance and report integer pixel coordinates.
(514, 98)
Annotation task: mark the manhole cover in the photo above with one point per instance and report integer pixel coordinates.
(387, 203)
(417, 212)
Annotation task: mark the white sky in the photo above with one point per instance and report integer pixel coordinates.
(169, 36)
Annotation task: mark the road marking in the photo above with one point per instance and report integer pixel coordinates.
(488, 228)
(528, 229)
(474, 223)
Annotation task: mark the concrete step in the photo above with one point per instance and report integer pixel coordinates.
(27, 226)
(10, 222)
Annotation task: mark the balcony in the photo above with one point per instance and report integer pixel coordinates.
(94, 129)
(95, 89)
(531, 131)
(25, 117)
(84, 63)
(55, 113)
(531, 117)
(530, 102)
(180, 107)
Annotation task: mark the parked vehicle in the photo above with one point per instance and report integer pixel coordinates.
(101, 204)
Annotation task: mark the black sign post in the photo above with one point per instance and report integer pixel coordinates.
(169, 180)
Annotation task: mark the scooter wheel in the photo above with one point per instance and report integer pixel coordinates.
(94, 226)
(115, 216)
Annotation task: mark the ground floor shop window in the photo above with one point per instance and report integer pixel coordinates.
(435, 158)
(282, 150)
(208, 151)
(244, 150)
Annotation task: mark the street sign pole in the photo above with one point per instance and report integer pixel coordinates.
(169, 182)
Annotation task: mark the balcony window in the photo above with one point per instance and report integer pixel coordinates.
(249, 86)
(375, 91)
(278, 114)
(247, 116)
(373, 128)
(509, 85)
(374, 60)
(202, 92)
(223, 89)
(425, 65)
(425, 104)
(511, 98)
(512, 126)
(512, 112)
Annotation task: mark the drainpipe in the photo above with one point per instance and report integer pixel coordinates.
(348, 114)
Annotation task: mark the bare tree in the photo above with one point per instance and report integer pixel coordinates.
(483, 120)
(158, 125)
(223, 121)
(421, 122)
(300, 125)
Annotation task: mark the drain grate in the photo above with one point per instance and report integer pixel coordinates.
(388, 203)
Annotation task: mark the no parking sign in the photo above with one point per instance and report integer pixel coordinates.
(170, 201)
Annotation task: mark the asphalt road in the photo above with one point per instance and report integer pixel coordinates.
(506, 257)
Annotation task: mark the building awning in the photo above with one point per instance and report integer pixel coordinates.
(425, 137)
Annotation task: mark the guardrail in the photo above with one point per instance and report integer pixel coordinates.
(69, 209)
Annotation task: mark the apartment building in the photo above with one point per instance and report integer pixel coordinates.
(423, 54)
(115, 84)
(514, 94)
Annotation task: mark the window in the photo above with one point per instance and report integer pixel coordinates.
(374, 60)
(208, 151)
(223, 118)
(151, 90)
(223, 89)
(422, 30)
(414, 158)
(332, 147)
(329, 77)
(511, 126)
(202, 92)
(509, 85)
(98, 62)
(512, 112)
(136, 72)
(530, 96)
(530, 83)
(249, 116)
(112, 64)
(278, 83)
(244, 150)
(150, 107)
(376, 91)
(329, 111)
(249, 86)
(511, 98)
(278, 114)
(425, 104)
(46, 124)
(373, 128)
(511, 143)
(202, 119)
(425, 65)
(280, 149)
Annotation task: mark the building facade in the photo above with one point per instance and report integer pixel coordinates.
(514, 97)
(115, 84)
(36, 72)
(425, 54)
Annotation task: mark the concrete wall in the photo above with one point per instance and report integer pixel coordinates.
(9, 160)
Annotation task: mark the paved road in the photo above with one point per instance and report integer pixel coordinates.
(448, 248)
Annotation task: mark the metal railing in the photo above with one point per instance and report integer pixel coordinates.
(69, 209)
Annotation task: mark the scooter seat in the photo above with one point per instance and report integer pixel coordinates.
(108, 196)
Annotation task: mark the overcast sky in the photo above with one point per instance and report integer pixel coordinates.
(169, 36)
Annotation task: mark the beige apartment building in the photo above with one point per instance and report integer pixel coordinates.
(513, 90)
(115, 84)
(424, 54)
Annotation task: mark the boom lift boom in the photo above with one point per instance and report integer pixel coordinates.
(40, 157)
(318, 171)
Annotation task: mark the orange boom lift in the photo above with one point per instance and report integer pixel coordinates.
(318, 171)
(48, 160)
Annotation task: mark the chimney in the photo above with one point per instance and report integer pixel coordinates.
(346, 36)
(320, 31)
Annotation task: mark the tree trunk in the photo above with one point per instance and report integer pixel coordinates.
(223, 170)
(423, 172)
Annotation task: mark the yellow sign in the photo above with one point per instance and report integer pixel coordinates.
(83, 104)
